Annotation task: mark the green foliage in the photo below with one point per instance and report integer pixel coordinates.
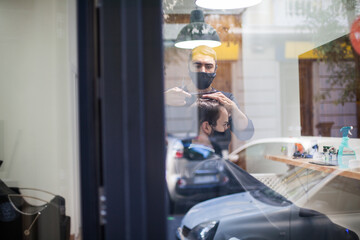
(340, 58)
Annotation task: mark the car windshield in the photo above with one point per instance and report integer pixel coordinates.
(255, 187)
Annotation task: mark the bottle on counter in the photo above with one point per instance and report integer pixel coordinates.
(326, 156)
(333, 155)
(346, 153)
(315, 152)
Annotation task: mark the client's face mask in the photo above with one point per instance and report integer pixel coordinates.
(202, 80)
(215, 133)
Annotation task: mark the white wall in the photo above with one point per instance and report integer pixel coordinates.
(38, 98)
(271, 81)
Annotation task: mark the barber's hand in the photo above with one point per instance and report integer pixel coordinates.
(225, 101)
(176, 97)
(240, 120)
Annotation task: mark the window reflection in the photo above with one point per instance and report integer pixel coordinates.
(291, 68)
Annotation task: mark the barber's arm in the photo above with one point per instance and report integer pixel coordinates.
(176, 96)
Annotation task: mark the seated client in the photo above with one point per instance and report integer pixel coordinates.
(213, 120)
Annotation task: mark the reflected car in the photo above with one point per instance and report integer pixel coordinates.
(194, 173)
(257, 213)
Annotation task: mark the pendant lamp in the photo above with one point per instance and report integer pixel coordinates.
(197, 33)
(226, 4)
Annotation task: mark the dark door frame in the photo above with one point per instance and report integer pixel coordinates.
(122, 118)
(89, 121)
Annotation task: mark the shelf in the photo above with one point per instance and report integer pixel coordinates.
(305, 163)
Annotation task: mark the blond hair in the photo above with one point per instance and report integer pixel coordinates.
(203, 50)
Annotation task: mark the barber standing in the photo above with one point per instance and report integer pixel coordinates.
(202, 70)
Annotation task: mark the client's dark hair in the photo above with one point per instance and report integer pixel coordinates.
(208, 110)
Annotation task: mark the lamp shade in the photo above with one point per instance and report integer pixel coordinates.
(226, 4)
(197, 33)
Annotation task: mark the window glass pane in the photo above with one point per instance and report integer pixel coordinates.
(39, 194)
(258, 127)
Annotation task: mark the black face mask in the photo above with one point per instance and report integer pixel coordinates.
(202, 80)
(215, 134)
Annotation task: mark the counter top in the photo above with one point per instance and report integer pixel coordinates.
(305, 163)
